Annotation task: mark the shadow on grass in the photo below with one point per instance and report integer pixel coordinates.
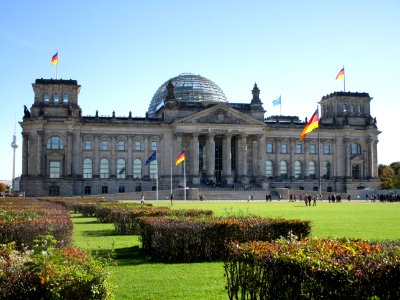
(86, 222)
(105, 232)
(125, 256)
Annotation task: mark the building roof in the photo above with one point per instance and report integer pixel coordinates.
(188, 88)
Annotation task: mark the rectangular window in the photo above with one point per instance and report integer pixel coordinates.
(153, 170)
(121, 145)
(46, 98)
(327, 149)
(55, 169)
(270, 148)
(54, 191)
(88, 190)
(355, 171)
(138, 146)
(121, 189)
(56, 100)
(299, 148)
(313, 149)
(105, 145)
(65, 98)
(87, 145)
(153, 146)
(104, 189)
(284, 148)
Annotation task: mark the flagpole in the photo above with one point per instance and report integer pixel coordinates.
(319, 159)
(184, 179)
(156, 175)
(171, 171)
(57, 67)
(344, 80)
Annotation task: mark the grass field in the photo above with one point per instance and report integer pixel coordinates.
(137, 277)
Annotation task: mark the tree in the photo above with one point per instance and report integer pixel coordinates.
(3, 187)
(386, 177)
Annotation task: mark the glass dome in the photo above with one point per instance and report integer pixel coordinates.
(188, 88)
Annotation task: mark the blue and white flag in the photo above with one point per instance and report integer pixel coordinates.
(151, 158)
(277, 101)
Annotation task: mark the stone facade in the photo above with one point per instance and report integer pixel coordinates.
(65, 153)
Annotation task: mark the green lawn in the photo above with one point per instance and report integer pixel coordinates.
(137, 277)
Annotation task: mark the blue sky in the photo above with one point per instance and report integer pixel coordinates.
(122, 51)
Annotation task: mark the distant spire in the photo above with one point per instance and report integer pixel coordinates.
(14, 146)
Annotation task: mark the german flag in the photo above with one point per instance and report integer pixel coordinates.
(180, 158)
(311, 125)
(54, 59)
(340, 75)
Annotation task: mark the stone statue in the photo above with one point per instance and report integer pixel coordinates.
(27, 114)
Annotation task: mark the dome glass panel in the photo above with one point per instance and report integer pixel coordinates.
(188, 88)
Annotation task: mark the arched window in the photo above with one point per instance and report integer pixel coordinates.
(153, 169)
(297, 169)
(104, 168)
(355, 148)
(55, 142)
(269, 169)
(121, 170)
(284, 169)
(137, 168)
(87, 168)
(312, 169)
(326, 170)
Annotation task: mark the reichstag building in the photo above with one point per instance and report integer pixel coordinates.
(228, 144)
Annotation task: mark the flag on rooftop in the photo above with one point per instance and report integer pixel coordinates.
(311, 125)
(340, 75)
(180, 158)
(54, 59)
(151, 158)
(277, 101)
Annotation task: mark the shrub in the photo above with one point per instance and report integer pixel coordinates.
(23, 219)
(127, 221)
(192, 239)
(313, 269)
(46, 272)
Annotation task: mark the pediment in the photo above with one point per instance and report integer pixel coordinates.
(220, 114)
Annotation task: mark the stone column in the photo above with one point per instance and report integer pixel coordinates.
(261, 156)
(243, 142)
(227, 159)
(25, 151)
(304, 171)
(347, 147)
(210, 157)
(195, 158)
(146, 169)
(39, 155)
(277, 164)
(77, 166)
(113, 161)
(129, 163)
(96, 163)
(292, 152)
(68, 159)
(374, 159)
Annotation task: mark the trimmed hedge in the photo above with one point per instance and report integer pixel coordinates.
(313, 269)
(127, 222)
(49, 273)
(21, 220)
(193, 239)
